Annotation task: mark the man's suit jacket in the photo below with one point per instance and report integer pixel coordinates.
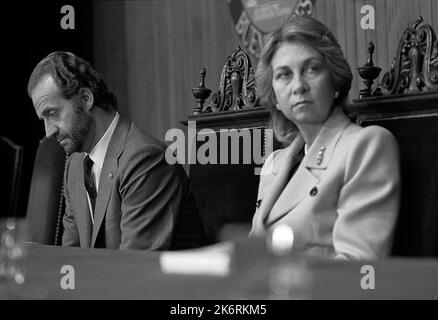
(142, 202)
(343, 199)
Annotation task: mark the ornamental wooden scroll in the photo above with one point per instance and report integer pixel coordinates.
(237, 85)
(415, 67)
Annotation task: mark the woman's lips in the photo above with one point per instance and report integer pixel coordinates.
(300, 103)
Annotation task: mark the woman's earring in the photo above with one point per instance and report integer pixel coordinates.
(277, 107)
(336, 94)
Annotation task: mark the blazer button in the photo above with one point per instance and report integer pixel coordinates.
(313, 192)
(110, 176)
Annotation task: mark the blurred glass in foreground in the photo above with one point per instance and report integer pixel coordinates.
(13, 233)
(268, 268)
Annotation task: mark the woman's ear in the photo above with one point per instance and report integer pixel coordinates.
(87, 98)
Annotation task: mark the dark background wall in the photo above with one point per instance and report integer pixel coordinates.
(151, 53)
(30, 31)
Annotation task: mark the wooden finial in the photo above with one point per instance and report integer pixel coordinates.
(201, 93)
(368, 72)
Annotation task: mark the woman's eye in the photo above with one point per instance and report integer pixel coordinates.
(52, 113)
(313, 69)
(283, 75)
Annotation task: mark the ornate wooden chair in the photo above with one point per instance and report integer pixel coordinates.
(406, 103)
(225, 186)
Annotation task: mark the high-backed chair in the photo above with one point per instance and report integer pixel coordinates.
(406, 103)
(225, 189)
(11, 158)
(46, 201)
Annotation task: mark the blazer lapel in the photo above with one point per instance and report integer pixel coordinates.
(295, 191)
(87, 223)
(281, 169)
(306, 177)
(108, 174)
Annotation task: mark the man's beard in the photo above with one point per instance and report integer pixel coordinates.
(80, 130)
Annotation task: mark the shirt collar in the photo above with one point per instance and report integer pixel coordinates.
(99, 151)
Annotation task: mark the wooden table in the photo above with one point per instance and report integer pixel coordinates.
(113, 274)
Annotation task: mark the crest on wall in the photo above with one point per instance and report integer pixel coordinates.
(254, 19)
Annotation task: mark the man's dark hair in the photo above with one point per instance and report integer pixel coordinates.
(73, 73)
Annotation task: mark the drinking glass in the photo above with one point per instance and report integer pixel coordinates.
(13, 233)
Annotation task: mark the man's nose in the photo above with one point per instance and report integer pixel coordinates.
(299, 85)
(51, 130)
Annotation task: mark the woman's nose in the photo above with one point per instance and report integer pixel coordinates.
(299, 86)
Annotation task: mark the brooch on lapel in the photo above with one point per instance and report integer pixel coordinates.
(320, 155)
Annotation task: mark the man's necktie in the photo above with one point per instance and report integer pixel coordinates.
(89, 181)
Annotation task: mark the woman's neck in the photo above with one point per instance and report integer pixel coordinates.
(309, 132)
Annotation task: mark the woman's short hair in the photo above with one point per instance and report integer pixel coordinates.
(73, 73)
(311, 32)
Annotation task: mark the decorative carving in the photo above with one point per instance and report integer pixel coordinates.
(369, 72)
(237, 85)
(415, 67)
(201, 93)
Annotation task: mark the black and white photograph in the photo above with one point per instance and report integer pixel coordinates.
(219, 155)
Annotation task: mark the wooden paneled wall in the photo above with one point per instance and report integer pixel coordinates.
(151, 51)
(392, 18)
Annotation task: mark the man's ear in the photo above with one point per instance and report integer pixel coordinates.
(87, 98)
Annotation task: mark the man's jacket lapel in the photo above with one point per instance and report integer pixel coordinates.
(79, 200)
(108, 174)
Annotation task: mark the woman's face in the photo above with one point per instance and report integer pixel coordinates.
(302, 84)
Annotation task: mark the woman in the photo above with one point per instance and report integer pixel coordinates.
(336, 185)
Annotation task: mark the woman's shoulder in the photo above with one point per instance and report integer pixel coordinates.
(370, 141)
(273, 161)
(373, 133)
(273, 156)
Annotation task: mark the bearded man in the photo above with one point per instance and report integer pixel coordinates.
(120, 192)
